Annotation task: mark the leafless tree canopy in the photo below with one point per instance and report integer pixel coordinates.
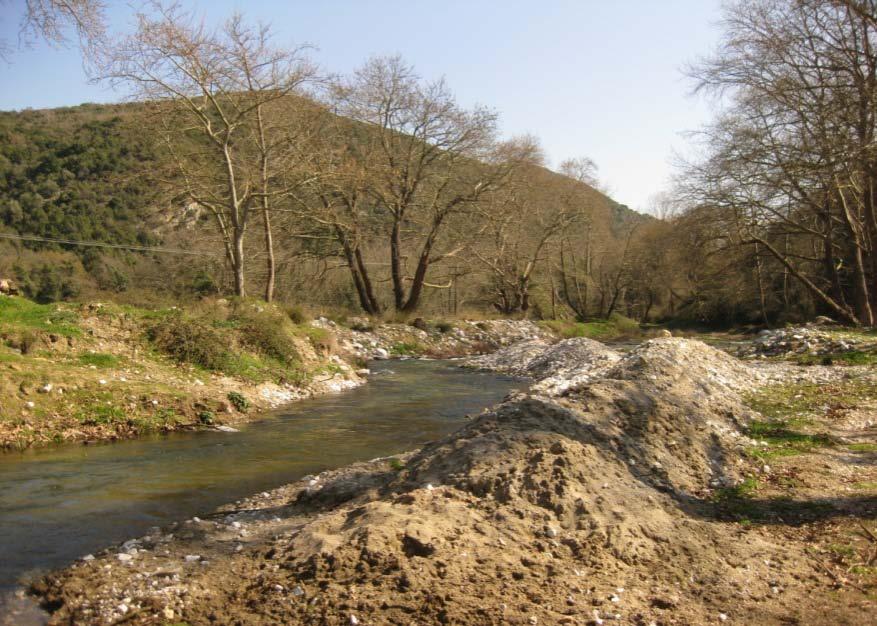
(53, 21)
(217, 94)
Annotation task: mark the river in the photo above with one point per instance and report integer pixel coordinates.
(61, 503)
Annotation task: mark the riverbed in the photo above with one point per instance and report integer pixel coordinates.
(60, 504)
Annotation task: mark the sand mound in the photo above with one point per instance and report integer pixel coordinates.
(514, 359)
(546, 510)
(569, 363)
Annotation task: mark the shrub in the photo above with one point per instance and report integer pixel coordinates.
(206, 417)
(406, 349)
(190, 340)
(28, 341)
(268, 333)
(238, 401)
(444, 327)
(297, 314)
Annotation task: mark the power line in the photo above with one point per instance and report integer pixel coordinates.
(101, 244)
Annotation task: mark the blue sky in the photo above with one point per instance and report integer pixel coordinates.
(588, 77)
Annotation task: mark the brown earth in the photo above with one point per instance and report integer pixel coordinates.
(623, 498)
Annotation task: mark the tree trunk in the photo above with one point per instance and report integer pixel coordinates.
(269, 250)
(238, 263)
(396, 265)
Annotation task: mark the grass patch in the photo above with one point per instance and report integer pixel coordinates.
(865, 486)
(98, 359)
(411, 348)
(616, 327)
(20, 314)
(862, 447)
(783, 441)
(96, 414)
(792, 402)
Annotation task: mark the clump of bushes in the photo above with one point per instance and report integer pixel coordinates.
(444, 327)
(268, 333)
(238, 401)
(241, 340)
(190, 340)
(297, 314)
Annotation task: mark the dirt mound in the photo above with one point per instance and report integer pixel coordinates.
(570, 363)
(568, 509)
(514, 359)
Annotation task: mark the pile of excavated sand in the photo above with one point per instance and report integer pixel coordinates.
(564, 510)
(570, 363)
(554, 367)
(514, 359)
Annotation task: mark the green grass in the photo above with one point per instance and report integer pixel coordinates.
(865, 486)
(19, 314)
(746, 489)
(794, 401)
(783, 441)
(99, 359)
(95, 414)
(863, 447)
(616, 327)
(402, 348)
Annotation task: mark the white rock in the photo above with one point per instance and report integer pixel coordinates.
(122, 608)
(102, 382)
(124, 557)
(297, 591)
(192, 558)
(353, 620)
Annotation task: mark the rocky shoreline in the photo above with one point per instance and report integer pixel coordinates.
(592, 497)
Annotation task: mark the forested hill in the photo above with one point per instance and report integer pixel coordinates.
(75, 173)
(88, 173)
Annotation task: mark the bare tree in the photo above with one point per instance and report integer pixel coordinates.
(52, 20)
(522, 223)
(419, 161)
(792, 160)
(214, 91)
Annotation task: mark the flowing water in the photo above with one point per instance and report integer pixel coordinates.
(59, 504)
